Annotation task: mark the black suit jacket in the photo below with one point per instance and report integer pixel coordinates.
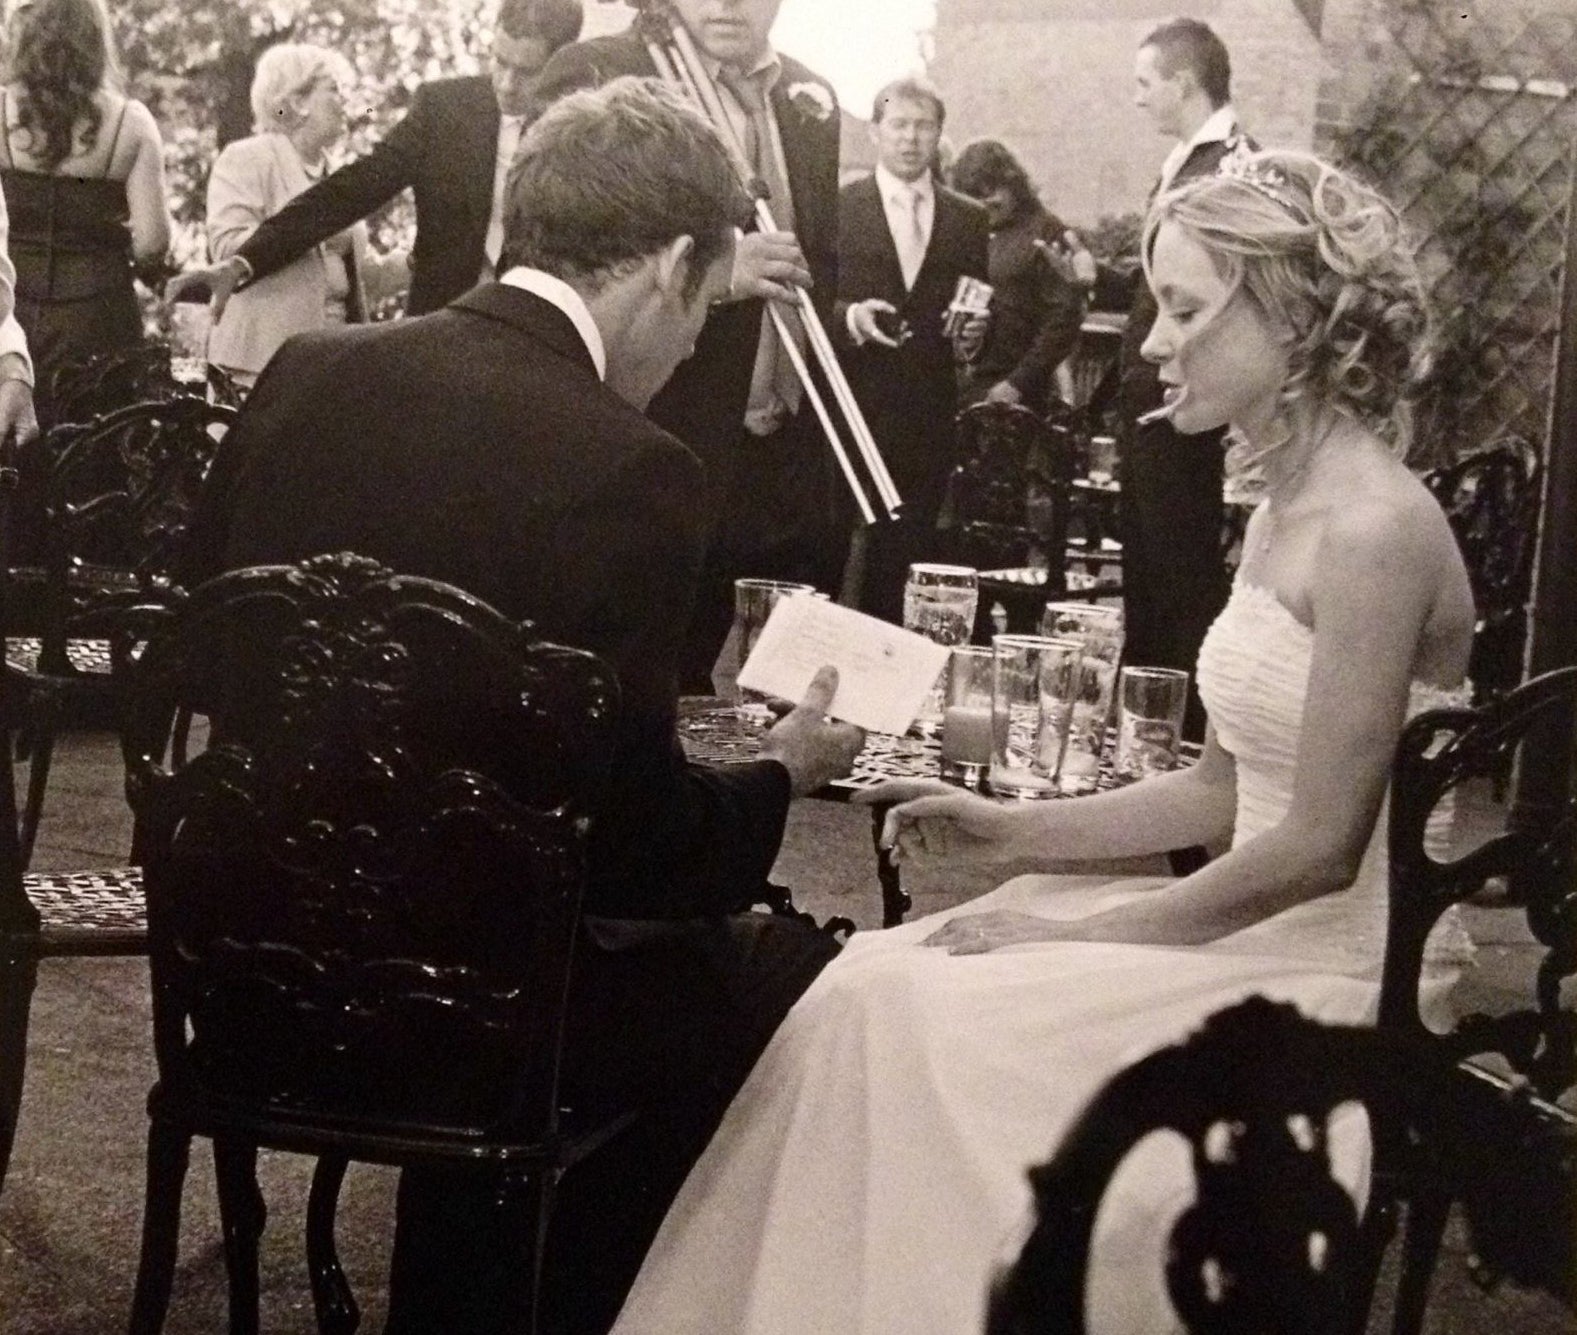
(704, 403)
(477, 446)
(910, 393)
(444, 150)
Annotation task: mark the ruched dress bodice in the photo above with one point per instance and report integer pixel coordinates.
(1253, 676)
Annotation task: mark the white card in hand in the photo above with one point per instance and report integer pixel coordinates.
(884, 671)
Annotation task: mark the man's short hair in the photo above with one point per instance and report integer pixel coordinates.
(554, 23)
(611, 175)
(910, 88)
(1193, 45)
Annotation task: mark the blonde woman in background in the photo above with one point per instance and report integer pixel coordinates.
(82, 167)
(298, 108)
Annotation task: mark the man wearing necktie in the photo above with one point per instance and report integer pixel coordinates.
(1174, 574)
(903, 243)
(772, 499)
(453, 149)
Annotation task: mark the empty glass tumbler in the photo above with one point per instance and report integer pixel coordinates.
(1150, 704)
(1033, 681)
(754, 600)
(1100, 630)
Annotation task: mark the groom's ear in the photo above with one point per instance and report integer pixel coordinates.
(673, 266)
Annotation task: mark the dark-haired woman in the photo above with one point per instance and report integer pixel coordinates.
(1038, 300)
(83, 171)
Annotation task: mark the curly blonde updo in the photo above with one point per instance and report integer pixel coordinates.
(1329, 261)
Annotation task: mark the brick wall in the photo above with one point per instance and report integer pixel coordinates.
(1058, 88)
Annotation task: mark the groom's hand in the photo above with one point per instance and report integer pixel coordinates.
(810, 746)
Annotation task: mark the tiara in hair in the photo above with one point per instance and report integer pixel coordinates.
(1262, 177)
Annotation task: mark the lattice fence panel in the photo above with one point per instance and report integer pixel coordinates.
(1472, 131)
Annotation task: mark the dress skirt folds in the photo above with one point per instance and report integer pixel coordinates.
(870, 1174)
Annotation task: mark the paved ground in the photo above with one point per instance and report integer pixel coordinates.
(70, 1212)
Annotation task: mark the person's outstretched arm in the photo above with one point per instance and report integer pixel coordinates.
(317, 213)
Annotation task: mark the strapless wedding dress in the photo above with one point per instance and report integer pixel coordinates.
(871, 1173)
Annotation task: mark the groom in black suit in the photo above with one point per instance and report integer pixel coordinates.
(904, 241)
(499, 444)
(452, 149)
(771, 497)
(1174, 574)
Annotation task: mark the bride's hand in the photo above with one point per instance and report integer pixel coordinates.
(934, 819)
(977, 933)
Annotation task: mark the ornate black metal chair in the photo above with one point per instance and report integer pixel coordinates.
(1491, 498)
(1008, 501)
(1496, 1139)
(110, 381)
(362, 898)
(44, 915)
(1271, 1242)
(114, 499)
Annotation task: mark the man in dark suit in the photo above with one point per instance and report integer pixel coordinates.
(903, 243)
(499, 444)
(1174, 577)
(452, 149)
(771, 497)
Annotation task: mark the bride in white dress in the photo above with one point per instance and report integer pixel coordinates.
(871, 1172)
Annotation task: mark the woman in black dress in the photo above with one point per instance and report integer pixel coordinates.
(82, 166)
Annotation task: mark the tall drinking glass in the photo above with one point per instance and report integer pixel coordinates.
(1100, 630)
(754, 600)
(939, 602)
(966, 719)
(189, 327)
(1032, 687)
(1150, 705)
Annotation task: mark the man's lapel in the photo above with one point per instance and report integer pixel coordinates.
(944, 231)
(798, 132)
(868, 199)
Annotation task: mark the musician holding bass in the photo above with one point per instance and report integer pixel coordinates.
(777, 506)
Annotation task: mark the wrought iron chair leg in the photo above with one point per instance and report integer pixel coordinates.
(169, 1149)
(18, 974)
(1375, 1234)
(332, 1298)
(242, 1214)
(42, 754)
(1421, 1235)
(526, 1206)
(896, 901)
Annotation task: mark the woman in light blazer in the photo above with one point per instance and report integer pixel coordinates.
(298, 105)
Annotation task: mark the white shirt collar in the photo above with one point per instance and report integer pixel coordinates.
(890, 187)
(558, 293)
(1218, 127)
